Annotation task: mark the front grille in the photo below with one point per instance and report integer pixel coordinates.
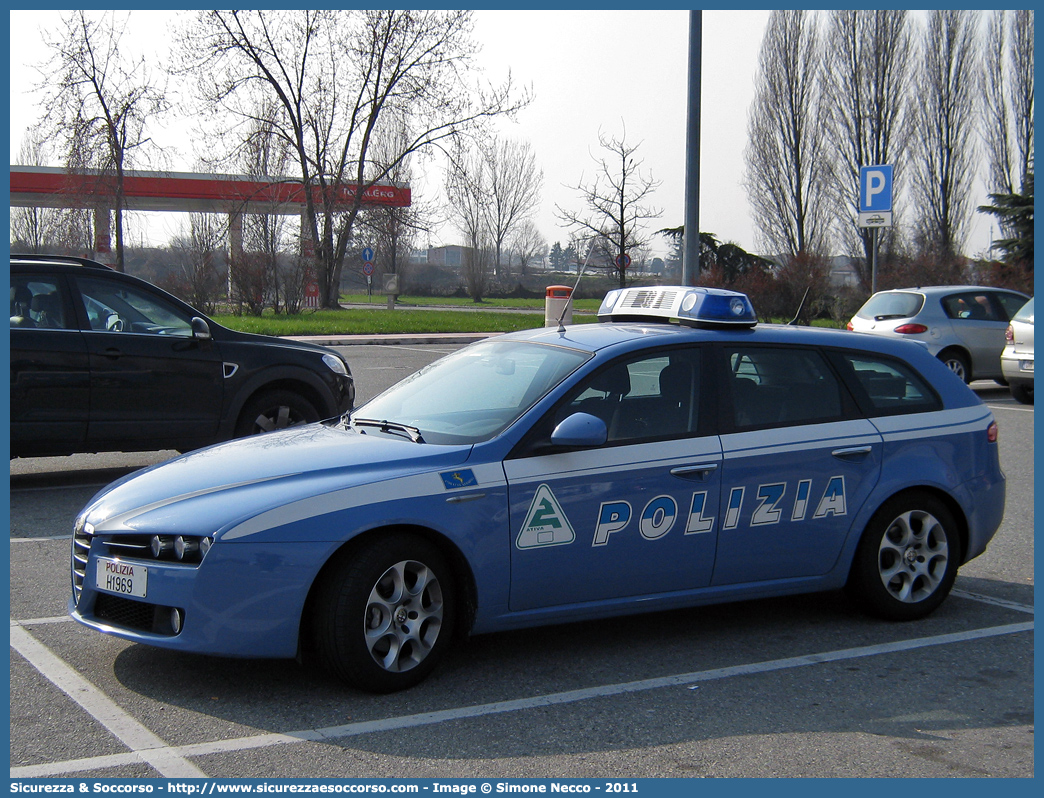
(156, 547)
(83, 534)
(129, 614)
(182, 549)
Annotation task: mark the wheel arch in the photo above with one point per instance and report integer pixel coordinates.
(466, 586)
(964, 354)
(946, 498)
(300, 382)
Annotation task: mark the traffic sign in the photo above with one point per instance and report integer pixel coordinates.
(368, 268)
(367, 254)
(875, 196)
(623, 260)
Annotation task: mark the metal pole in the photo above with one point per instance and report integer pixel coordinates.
(691, 252)
(873, 260)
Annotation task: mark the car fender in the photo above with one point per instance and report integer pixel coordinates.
(286, 376)
(918, 471)
(462, 518)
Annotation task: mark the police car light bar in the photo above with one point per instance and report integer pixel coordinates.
(695, 307)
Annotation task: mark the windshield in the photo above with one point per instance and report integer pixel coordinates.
(471, 395)
(891, 305)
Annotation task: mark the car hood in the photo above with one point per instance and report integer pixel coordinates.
(219, 487)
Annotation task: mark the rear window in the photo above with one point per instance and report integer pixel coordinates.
(1025, 314)
(779, 386)
(891, 305)
(891, 387)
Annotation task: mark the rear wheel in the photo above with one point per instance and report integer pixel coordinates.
(957, 362)
(385, 613)
(276, 409)
(907, 559)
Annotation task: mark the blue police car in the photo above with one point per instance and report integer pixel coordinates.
(675, 454)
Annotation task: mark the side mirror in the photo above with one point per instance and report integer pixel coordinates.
(200, 329)
(580, 429)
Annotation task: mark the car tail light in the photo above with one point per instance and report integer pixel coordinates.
(851, 326)
(1009, 335)
(992, 432)
(911, 329)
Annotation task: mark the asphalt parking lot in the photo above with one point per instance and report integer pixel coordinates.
(792, 687)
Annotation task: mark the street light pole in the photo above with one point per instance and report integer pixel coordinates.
(691, 252)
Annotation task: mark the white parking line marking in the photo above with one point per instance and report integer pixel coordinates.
(38, 621)
(146, 746)
(996, 602)
(1019, 408)
(48, 537)
(517, 705)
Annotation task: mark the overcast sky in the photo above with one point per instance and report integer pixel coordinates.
(591, 71)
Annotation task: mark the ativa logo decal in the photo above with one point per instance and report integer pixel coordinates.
(546, 524)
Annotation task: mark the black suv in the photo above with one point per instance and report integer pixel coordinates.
(103, 361)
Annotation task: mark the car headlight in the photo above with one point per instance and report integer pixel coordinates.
(336, 365)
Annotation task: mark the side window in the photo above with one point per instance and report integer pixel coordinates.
(114, 307)
(648, 398)
(37, 302)
(779, 386)
(975, 306)
(891, 387)
(1011, 303)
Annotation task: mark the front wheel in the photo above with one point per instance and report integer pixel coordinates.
(277, 409)
(385, 613)
(907, 559)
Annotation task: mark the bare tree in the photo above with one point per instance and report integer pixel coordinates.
(944, 146)
(615, 204)
(1008, 99)
(527, 243)
(867, 81)
(466, 192)
(198, 253)
(34, 229)
(787, 156)
(393, 231)
(101, 102)
(514, 183)
(266, 240)
(334, 74)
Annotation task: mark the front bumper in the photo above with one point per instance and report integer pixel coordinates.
(242, 600)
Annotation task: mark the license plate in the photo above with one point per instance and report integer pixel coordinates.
(1026, 365)
(122, 578)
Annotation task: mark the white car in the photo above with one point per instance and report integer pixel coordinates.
(1017, 357)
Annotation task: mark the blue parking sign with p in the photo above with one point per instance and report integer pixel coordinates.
(875, 189)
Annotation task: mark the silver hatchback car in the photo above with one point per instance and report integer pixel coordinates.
(1017, 357)
(962, 325)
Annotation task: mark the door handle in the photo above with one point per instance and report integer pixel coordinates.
(112, 352)
(853, 451)
(696, 472)
(470, 497)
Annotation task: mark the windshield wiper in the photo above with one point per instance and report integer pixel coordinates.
(887, 316)
(412, 433)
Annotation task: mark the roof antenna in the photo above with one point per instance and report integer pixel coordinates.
(565, 305)
(801, 305)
